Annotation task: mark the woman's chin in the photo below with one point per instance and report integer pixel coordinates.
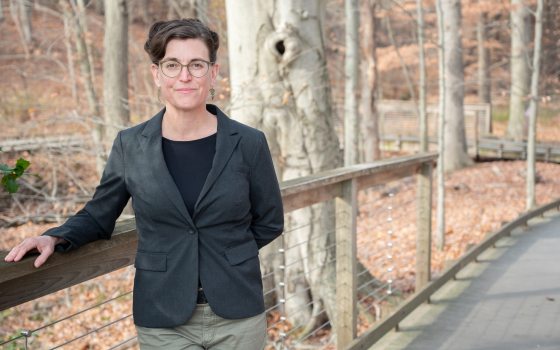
(187, 104)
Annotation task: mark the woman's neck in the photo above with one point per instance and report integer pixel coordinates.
(188, 125)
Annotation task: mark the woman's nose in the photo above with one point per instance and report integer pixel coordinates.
(184, 74)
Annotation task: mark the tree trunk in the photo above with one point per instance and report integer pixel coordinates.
(99, 6)
(423, 119)
(115, 69)
(370, 124)
(440, 215)
(455, 151)
(281, 51)
(81, 13)
(406, 72)
(519, 70)
(70, 56)
(145, 12)
(484, 87)
(15, 13)
(93, 103)
(139, 10)
(202, 10)
(25, 11)
(351, 69)
(533, 109)
(181, 9)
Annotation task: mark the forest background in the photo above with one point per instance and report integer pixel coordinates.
(53, 69)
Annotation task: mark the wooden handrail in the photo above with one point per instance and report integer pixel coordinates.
(21, 282)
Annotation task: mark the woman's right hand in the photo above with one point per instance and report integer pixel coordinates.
(44, 244)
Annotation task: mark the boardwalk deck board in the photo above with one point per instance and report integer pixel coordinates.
(510, 299)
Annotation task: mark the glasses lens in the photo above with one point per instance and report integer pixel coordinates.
(171, 68)
(198, 68)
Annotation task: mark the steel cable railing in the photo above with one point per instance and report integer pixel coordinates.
(129, 340)
(29, 333)
(92, 331)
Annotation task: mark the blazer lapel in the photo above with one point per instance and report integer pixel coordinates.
(151, 144)
(226, 141)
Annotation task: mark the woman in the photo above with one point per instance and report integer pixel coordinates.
(205, 196)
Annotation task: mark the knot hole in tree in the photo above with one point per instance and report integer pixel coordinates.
(280, 48)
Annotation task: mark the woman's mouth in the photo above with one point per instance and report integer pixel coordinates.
(185, 90)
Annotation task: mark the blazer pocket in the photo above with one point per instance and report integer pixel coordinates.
(151, 261)
(238, 254)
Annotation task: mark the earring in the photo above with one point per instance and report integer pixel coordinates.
(212, 93)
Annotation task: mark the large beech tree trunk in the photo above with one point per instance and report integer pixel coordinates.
(280, 85)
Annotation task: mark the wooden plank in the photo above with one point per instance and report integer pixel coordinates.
(308, 190)
(311, 196)
(374, 334)
(346, 214)
(21, 282)
(375, 179)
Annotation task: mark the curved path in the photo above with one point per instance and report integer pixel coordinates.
(509, 299)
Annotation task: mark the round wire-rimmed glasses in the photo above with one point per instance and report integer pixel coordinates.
(196, 68)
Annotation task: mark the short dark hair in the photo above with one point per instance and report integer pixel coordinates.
(191, 28)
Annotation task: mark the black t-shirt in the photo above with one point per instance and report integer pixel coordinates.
(189, 163)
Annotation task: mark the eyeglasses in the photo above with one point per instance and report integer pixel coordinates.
(196, 68)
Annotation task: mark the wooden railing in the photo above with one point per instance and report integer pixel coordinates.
(482, 148)
(423, 294)
(397, 117)
(21, 282)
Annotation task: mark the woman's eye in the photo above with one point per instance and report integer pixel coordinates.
(197, 65)
(171, 65)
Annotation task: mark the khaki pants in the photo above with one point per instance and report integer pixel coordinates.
(206, 330)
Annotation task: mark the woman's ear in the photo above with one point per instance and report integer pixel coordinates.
(214, 73)
(155, 75)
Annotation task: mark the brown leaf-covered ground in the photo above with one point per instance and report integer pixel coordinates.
(479, 200)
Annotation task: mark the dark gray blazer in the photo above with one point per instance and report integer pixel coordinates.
(239, 210)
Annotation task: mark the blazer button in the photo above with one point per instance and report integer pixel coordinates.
(191, 232)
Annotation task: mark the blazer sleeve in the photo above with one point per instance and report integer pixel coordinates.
(97, 219)
(266, 200)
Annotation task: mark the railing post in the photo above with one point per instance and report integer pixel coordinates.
(346, 213)
(424, 218)
(488, 112)
(476, 135)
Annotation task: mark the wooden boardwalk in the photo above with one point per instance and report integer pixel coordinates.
(509, 299)
(489, 148)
